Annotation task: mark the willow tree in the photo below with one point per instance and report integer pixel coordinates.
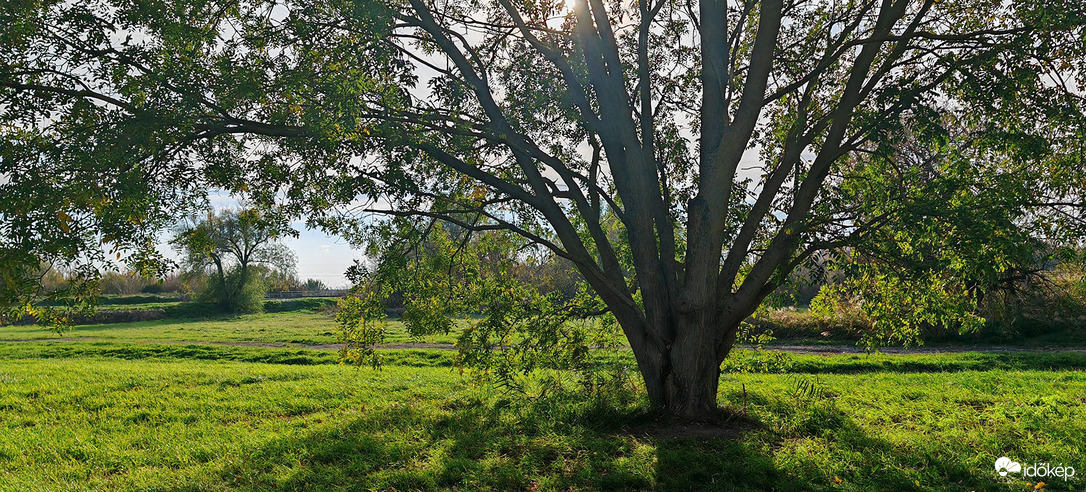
(683, 156)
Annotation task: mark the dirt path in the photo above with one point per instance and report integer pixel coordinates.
(956, 349)
(795, 349)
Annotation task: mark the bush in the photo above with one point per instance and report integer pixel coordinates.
(199, 310)
(835, 308)
(249, 298)
(1038, 305)
(238, 294)
(136, 300)
(172, 284)
(1043, 302)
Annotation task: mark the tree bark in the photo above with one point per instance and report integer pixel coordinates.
(694, 369)
(682, 377)
(685, 383)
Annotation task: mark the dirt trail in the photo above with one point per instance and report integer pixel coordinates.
(795, 349)
(954, 349)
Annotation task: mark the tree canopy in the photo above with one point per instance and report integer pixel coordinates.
(685, 157)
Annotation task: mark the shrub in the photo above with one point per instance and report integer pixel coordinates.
(1038, 304)
(238, 294)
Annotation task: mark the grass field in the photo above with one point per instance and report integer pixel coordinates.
(133, 408)
(295, 327)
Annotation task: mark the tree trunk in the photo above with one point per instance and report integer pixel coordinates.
(682, 378)
(694, 373)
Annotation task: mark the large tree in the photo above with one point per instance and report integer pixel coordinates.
(683, 156)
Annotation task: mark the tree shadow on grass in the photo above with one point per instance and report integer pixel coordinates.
(467, 444)
(827, 451)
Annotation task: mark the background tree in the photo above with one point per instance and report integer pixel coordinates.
(685, 157)
(230, 245)
(314, 285)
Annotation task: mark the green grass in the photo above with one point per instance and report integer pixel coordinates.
(307, 328)
(295, 327)
(136, 408)
(202, 352)
(105, 423)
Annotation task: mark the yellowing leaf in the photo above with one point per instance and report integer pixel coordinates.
(65, 219)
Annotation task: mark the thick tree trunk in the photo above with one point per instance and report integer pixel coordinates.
(679, 343)
(694, 373)
(682, 378)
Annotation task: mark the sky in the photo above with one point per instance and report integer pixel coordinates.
(322, 257)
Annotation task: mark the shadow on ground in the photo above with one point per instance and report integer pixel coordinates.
(472, 445)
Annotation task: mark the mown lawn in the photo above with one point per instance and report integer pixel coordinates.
(296, 327)
(292, 327)
(113, 416)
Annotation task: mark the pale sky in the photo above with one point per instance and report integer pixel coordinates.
(322, 257)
